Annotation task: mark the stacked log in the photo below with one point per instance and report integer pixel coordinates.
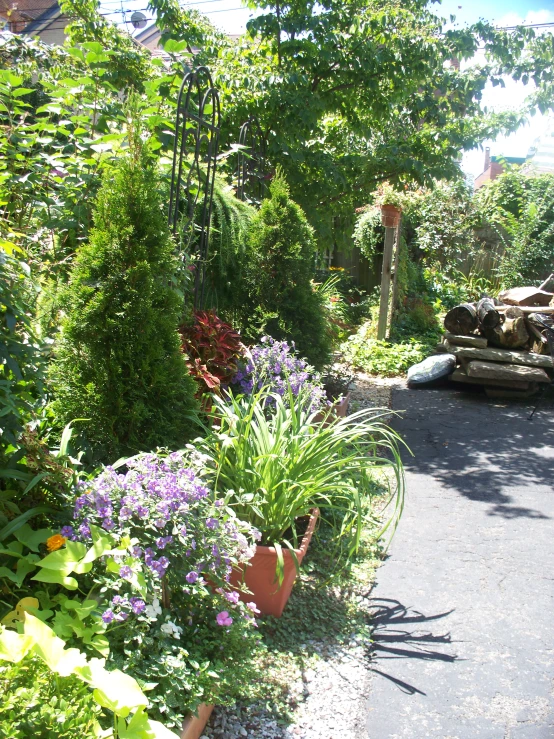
(503, 345)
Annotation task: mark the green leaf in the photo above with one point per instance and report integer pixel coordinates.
(31, 538)
(14, 646)
(18, 522)
(56, 577)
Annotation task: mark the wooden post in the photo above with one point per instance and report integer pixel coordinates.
(394, 301)
(385, 283)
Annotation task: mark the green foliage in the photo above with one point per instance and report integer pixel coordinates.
(399, 111)
(22, 359)
(382, 357)
(274, 468)
(521, 207)
(118, 363)
(443, 220)
(229, 253)
(369, 233)
(34, 703)
(280, 300)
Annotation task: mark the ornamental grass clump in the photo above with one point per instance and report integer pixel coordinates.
(273, 469)
(275, 366)
(170, 616)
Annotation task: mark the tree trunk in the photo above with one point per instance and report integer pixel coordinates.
(488, 316)
(461, 320)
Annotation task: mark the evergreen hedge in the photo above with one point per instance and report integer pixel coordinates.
(118, 363)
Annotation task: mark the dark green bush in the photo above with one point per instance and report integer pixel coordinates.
(279, 297)
(118, 363)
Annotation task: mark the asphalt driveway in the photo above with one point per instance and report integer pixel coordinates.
(464, 605)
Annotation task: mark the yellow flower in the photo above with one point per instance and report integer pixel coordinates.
(55, 542)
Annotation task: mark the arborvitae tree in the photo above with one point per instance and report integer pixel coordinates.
(282, 248)
(118, 363)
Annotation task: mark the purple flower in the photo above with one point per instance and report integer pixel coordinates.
(232, 597)
(136, 552)
(122, 616)
(223, 619)
(84, 529)
(108, 524)
(163, 541)
(192, 577)
(212, 523)
(253, 607)
(117, 600)
(137, 605)
(68, 532)
(126, 572)
(108, 616)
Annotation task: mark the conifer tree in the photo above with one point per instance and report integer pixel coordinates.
(282, 250)
(118, 363)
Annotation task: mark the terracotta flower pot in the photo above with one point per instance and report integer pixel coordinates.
(390, 216)
(338, 409)
(259, 575)
(193, 726)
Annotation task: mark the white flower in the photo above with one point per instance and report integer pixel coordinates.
(154, 610)
(171, 629)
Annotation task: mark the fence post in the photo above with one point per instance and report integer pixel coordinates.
(385, 282)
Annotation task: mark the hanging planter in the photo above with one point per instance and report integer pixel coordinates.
(390, 216)
(259, 574)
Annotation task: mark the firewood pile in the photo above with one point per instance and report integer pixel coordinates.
(506, 344)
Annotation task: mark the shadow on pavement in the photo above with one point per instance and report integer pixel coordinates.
(485, 450)
(396, 636)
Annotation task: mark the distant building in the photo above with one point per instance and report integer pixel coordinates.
(42, 18)
(151, 38)
(494, 166)
(540, 158)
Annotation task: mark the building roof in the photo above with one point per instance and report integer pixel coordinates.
(20, 14)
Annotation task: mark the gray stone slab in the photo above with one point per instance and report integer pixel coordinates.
(464, 604)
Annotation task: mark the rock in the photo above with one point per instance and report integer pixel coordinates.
(506, 372)
(431, 369)
(478, 341)
(526, 296)
(459, 375)
(500, 355)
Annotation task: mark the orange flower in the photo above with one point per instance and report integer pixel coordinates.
(55, 542)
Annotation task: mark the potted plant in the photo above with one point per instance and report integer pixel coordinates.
(336, 383)
(274, 469)
(391, 202)
(275, 365)
(145, 543)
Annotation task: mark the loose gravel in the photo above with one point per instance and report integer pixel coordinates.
(329, 696)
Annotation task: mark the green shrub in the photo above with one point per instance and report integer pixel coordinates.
(280, 299)
(382, 357)
(118, 364)
(21, 356)
(521, 207)
(36, 703)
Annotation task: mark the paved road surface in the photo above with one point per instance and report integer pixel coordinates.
(465, 603)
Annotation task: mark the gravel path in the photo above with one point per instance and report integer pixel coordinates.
(331, 695)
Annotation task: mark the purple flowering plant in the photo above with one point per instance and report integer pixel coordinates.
(275, 365)
(164, 583)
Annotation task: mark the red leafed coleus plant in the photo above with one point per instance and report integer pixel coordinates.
(213, 348)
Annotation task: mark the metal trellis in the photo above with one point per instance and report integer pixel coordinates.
(193, 173)
(251, 161)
